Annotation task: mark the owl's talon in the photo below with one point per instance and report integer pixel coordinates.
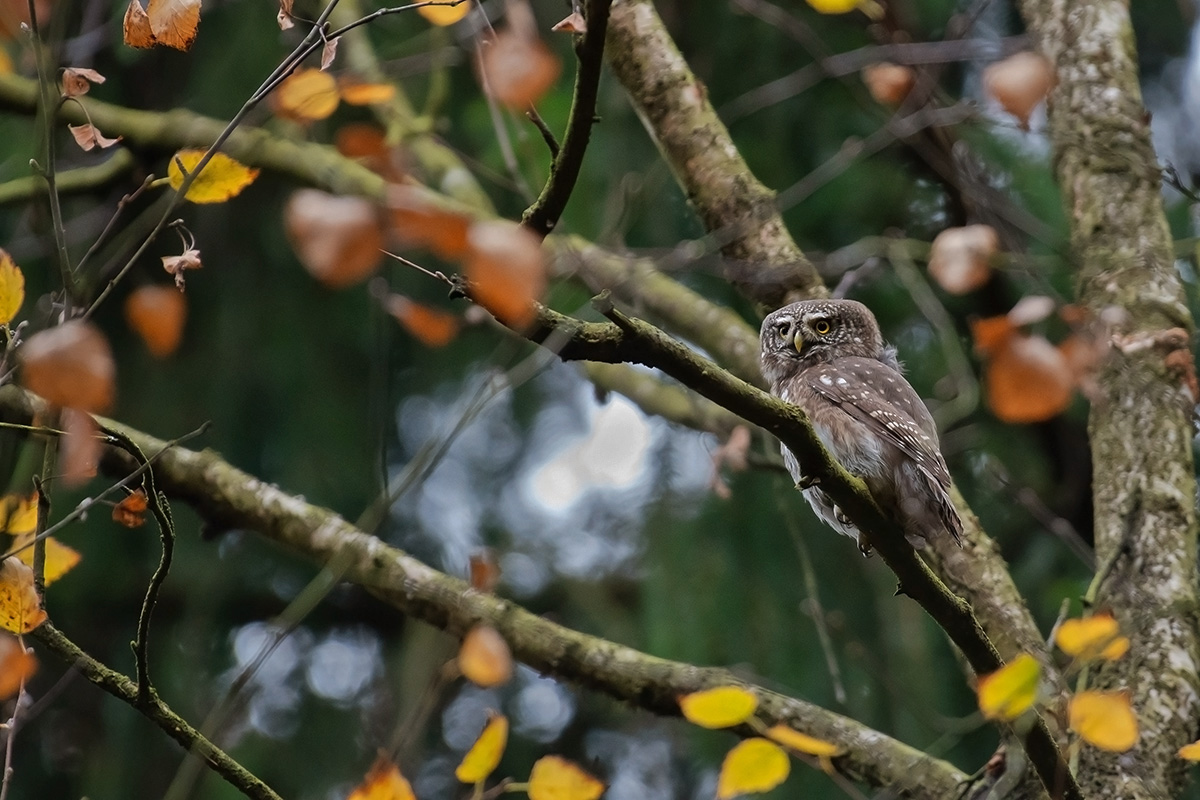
(807, 482)
(865, 549)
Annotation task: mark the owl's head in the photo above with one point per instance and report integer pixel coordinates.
(817, 331)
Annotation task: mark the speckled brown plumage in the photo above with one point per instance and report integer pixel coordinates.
(828, 357)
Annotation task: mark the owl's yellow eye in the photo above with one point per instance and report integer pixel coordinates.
(822, 326)
(782, 329)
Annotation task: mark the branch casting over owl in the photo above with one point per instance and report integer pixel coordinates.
(829, 358)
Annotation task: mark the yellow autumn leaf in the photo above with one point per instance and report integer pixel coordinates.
(60, 559)
(484, 755)
(1190, 752)
(221, 178)
(445, 14)
(383, 782)
(803, 743)
(555, 778)
(1104, 720)
(306, 95)
(365, 94)
(753, 766)
(484, 658)
(1097, 636)
(834, 6)
(721, 707)
(12, 288)
(18, 514)
(1009, 692)
(20, 611)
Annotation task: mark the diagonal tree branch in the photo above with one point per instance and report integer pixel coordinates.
(1140, 426)
(228, 497)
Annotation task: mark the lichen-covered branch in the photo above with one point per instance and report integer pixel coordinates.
(1140, 427)
(126, 690)
(762, 259)
(228, 497)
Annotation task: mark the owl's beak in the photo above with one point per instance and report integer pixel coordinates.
(798, 341)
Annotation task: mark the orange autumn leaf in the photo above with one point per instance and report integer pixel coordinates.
(721, 707)
(484, 756)
(1097, 636)
(433, 327)
(555, 778)
(18, 514)
(70, 365)
(221, 178)
(12, 288)
(361, 140)
(505, 268)
(959, 258)
(174, 22)
(136, 26)
(365, 94)
(518, 69)
(1027, 380)
(1104, 720)
(417, 221)
(1190, 752)
(752, 767)
(484, 570)
(306, 95)
(88, 137)
(1011, 690)
(338, 239)
(445, 14)
(19, 609)
(131, 512)
(383, 782)
(484, 657)
(60, 559)
(157, 314)
(889, 83)
(802, 742)
(17, 665)
(79, 456)
(991, 333)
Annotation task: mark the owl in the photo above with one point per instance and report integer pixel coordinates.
(828, 357)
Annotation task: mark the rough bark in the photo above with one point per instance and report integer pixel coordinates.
(1140, 425)
(738, 211)
(229, 498)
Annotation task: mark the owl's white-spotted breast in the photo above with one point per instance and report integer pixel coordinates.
(829, 358)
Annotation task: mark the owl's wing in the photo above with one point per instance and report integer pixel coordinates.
(881, 399)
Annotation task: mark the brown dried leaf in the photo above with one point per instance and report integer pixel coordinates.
(79, 458)
(485, 570)
(1019, 83)
(131, 512)
(87, 136)
(433, 327)
(888, 83)
(284, 17)
(573, 23)
(329, 52)
(174, 22)
(1028, 380)
(958, 258)
(484, 658)
(338, 239)
(417, 221)
(136, 26)
(518, 70)
(177, 265)
(505, 267)
(76, 81)
(157, 313)
(70, 365)
(16, 666)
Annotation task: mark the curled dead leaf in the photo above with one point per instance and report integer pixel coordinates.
(338, 239)
(88, 137)
(76, 81)
(177, 265)
(131, 512)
